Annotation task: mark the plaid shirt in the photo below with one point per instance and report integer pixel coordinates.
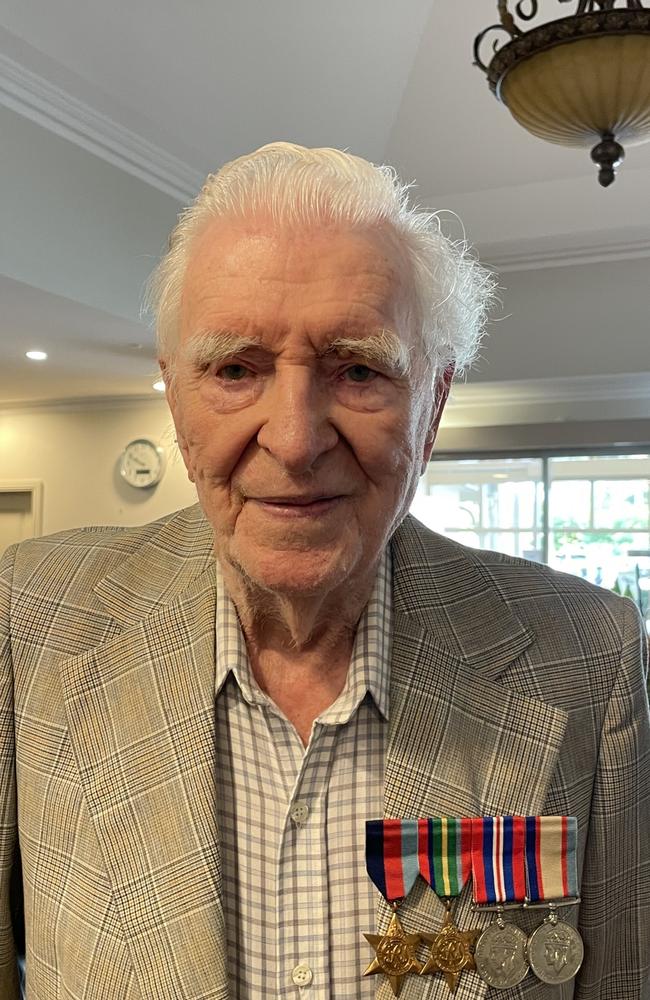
(292, 820)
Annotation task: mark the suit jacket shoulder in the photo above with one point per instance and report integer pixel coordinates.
(455, 590)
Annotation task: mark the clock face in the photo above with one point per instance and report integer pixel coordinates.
(141, 464)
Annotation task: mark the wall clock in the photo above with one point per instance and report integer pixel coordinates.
(142, 463)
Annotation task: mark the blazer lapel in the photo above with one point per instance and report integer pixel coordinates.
(141, 719)
(460, 743)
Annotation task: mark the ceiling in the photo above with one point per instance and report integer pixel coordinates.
(111, 114)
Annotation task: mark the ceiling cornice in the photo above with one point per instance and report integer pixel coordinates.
(552, 390)
(511, 259)
(74, 403)
(53, 108)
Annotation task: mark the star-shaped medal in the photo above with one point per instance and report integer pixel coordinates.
(452, 951)
(394, 954)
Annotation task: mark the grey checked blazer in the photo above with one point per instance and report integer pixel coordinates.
(513, 690)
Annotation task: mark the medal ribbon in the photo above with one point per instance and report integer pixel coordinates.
(445, 853)
(498, 859)
(551, 857)
(392, 856)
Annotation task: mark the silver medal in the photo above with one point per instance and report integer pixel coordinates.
(555, 951)
(500, 955)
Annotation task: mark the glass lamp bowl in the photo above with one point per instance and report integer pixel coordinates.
(580, 80)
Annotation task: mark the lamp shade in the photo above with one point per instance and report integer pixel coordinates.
(576, 80)
(576, 92)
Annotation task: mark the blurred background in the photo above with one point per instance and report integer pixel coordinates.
(111, 115)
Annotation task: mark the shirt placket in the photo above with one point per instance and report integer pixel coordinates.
(302, 958)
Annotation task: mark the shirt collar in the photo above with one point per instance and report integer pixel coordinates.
(231, 652)
(369, 671)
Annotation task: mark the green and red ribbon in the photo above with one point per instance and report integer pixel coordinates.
(444, 850)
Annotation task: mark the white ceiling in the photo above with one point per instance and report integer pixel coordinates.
(114, 112)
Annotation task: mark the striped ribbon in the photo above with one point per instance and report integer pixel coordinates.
(551, 857)
(444, 852)
(392, 856)
(498, 859)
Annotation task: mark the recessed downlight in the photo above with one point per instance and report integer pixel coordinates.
(159, 385)
(36, 355)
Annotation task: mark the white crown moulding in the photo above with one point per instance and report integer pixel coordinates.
(504, 260)
(579, 388)
(40, 101)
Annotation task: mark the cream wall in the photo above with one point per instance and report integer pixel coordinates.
(74, 451)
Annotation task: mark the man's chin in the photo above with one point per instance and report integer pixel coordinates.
(296, 574)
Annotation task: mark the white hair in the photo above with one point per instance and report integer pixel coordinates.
(451, 291)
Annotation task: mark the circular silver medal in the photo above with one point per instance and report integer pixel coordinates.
(555, 952)
(500, 955)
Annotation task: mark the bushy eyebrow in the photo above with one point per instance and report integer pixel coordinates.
(213, 346)
(383, 348)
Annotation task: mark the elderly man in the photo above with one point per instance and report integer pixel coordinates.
(200, 715)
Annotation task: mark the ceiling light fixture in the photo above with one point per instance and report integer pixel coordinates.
(159, 385)
(578, 80)
(36, 355)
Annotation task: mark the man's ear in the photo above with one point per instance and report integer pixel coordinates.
(443, 385)
(171, 395)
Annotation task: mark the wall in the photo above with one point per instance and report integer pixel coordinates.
(587, 319)
(75, 451)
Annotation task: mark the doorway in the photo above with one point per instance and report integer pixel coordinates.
(21, 511)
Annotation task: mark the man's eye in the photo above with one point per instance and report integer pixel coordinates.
(233, 373)
(360, 373)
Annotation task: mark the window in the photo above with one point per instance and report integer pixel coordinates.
(487, 503)
(583, 514)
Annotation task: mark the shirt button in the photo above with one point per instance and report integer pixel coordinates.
(302, 975)
(299, 812)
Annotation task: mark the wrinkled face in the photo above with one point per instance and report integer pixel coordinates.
(298, 420)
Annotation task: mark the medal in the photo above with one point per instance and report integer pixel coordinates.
(392, 864)
(499, 880)
(501, 955)
(394, 954)
(555, 949)
(444, 852)
(452, 950)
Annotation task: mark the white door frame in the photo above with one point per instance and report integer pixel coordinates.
(33, 487)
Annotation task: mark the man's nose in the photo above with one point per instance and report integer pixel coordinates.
(297, 428)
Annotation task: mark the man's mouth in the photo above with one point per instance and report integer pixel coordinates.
(301, 500)
(297, 506)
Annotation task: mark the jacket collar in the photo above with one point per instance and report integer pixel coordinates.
(446, 590)
(160, 570)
